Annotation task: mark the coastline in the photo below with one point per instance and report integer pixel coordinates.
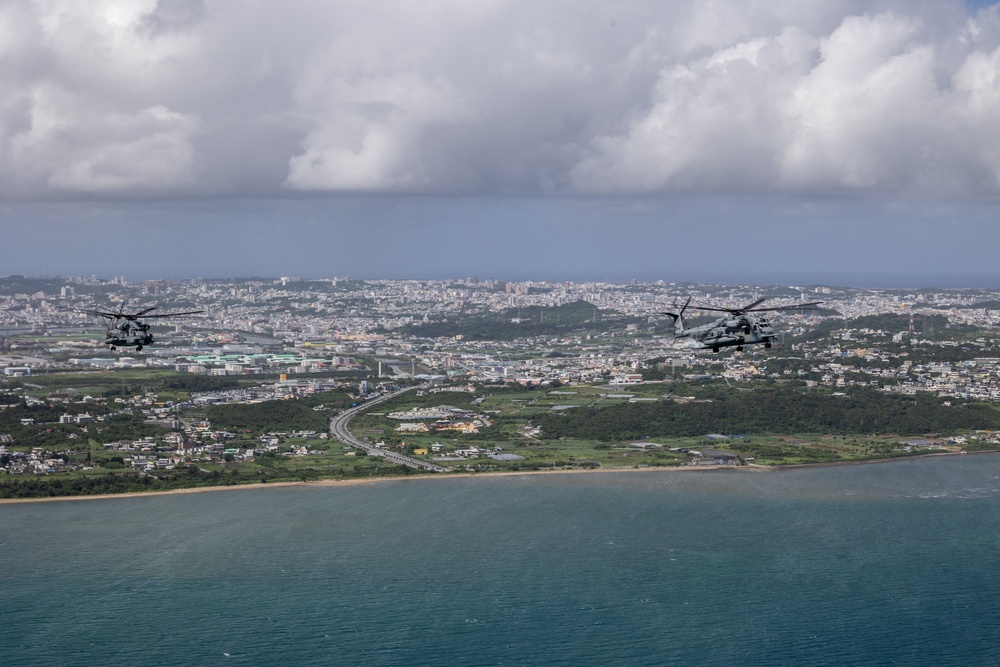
(376, 480)
(466, 475)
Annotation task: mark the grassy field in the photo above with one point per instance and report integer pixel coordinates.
(511, 414)
(509, 427)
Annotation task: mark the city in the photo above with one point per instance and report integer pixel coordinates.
(328, 345)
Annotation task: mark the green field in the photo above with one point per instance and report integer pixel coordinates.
(578, 426)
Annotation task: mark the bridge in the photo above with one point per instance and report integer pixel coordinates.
(339, 430)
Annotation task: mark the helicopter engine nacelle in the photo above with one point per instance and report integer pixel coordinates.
(734, 324)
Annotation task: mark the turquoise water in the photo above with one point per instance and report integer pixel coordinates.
(887, 564)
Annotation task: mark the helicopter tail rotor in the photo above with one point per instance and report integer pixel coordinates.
(678, 317)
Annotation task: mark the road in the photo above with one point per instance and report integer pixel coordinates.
(338, 428)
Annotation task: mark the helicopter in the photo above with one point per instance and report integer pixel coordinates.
(740, 328)
(127, 330)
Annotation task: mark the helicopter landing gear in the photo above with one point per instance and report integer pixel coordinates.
(715, 349)
(767, 345)
(138, 348)
(114, 349)
(739, 348)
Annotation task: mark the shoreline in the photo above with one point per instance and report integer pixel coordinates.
(466, 475)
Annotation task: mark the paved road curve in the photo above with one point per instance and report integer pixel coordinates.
(338, 428)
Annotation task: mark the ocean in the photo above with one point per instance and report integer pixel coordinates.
(884, 564)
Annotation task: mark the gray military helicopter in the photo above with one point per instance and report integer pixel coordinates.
(740, 328)
(127, 330)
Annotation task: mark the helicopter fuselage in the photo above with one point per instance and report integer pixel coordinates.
(729, 332)
(129, 334)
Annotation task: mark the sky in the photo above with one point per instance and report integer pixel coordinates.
(851, 142)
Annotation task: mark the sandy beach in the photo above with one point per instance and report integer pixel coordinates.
(466, 475)
(377, 480)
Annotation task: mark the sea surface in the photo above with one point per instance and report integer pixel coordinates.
(884, 564)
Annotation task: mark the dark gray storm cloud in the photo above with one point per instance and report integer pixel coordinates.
(221, 98)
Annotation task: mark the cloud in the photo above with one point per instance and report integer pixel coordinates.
(863, 107)
(367, 132)
(145, 152)
(135, 98)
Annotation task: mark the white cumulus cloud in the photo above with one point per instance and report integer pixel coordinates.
(870, 105)
(124, 98)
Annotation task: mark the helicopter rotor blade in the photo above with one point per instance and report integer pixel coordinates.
(96, 312)
(751, 308)
(797, 306)
(186, 312)
(132, 317)
(120, 314)
(734, 311)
